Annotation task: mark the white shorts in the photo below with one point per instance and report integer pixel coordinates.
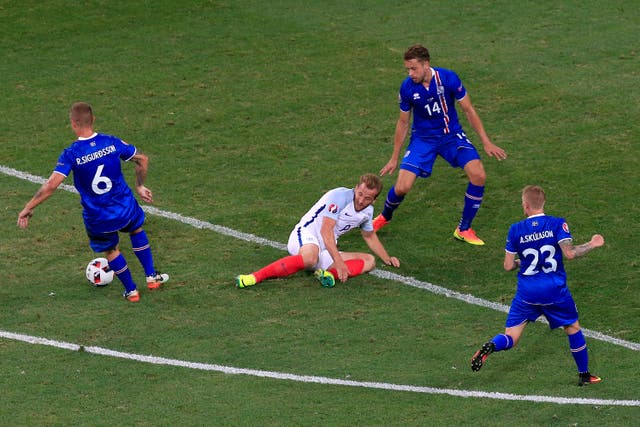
(300, 236)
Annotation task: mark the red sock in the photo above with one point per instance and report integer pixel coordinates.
(281, 268)
(355, 267)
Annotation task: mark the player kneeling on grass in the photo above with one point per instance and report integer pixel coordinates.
(540, 241)
(313, 243)
(109, 206)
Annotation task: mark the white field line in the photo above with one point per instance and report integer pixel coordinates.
(318, 380)
(410, 281)
(315, 379)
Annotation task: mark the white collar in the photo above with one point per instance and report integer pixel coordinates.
(84, 139)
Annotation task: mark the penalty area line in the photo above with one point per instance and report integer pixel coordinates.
(315, 379)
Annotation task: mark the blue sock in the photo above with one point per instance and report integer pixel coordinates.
(578, 347)
(142, 249)
(472, 201)
(391, 204)
(120, 267)
(502, 342)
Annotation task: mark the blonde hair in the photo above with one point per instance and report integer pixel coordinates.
(534, 195)
(82, 114)
(372, 182)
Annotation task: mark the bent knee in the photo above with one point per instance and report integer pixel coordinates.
(310, 256)
(369, 263)
(401, 190)
(310, 262)
(475, 172)
(478, 178)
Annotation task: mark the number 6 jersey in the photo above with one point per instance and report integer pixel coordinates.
(107, 200)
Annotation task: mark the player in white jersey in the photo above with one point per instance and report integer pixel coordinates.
(313, 243)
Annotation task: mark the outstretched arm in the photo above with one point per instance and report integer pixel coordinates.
(402, 129)
(376, 246)
(474, 119)
(45, 191)
(571, 251)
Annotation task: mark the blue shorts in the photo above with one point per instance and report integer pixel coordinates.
(558, 314)
(422, 152)
(102, 242)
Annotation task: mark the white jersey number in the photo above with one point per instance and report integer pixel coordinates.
(98, 179)
(549, 259)
(433, 110)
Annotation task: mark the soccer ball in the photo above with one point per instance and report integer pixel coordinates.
(99, 273)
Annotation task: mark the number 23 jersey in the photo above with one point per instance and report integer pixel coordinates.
(107, 200)
(541, 278)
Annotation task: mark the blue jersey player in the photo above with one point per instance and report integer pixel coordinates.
(540, 241)
(431, 95)
(109, 206)
(313, 242)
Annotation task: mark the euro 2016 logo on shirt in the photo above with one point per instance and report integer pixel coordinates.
(565, 227)
(333, 208)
